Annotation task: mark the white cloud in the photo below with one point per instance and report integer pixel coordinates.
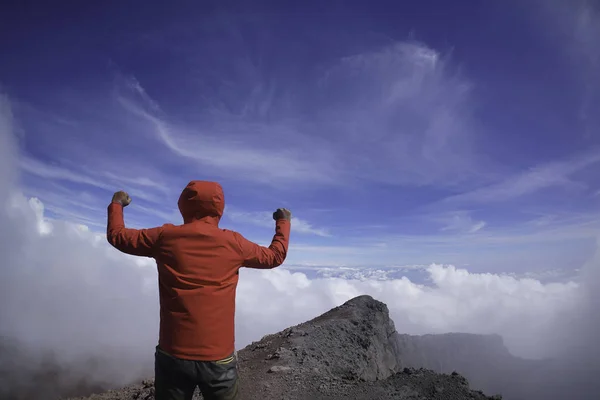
(356, 273)
(137, 181)
(459, 221)
(476, 227)
(584, 227)
(302, 226)
(265, 220)
(543, 220)
(102, 290)
(531, 181)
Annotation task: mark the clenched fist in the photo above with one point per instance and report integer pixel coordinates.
(282, 213)
(121, 198)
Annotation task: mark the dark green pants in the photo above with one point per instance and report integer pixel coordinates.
(176, 379)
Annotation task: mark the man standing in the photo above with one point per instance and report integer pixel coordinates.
(198, 265)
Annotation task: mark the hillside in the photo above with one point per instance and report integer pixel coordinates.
(350, 352)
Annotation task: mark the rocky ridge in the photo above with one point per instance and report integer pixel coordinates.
(350, 352)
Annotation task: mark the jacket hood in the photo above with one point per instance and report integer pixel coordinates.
(202, 200)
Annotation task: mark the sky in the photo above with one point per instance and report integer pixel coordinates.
(441, 157)
(396, 134)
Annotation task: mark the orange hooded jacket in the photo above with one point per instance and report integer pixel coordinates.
(198, 266)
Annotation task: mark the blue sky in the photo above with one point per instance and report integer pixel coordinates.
(398, 134)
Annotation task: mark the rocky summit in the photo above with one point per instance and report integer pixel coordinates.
(350, 352)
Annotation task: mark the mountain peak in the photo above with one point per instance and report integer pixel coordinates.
(349, 352)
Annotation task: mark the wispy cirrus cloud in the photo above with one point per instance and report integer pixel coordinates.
(412, 120)
(260, 157)
(530, 181)
(543, 220)
(578, 25)
(336, 130)
(397, 115)
(44, 170)
(460, 221)
(141, 187)
(265, 219)
(582, 226)
(583, 29)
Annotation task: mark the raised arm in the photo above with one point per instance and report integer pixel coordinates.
(256, 256)
(137, 242)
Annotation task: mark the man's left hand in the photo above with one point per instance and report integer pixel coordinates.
(121, 198)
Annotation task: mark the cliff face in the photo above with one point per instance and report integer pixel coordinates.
(350, 352)
(355, 341)
(489, 366)
(482, 359)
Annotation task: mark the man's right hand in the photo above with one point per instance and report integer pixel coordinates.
(282, 213)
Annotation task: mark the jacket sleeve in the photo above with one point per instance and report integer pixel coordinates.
(137, 242)
(256, 256)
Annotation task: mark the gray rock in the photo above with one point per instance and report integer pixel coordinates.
(279, 368)
(356, 340)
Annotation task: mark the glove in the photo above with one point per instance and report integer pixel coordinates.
(282, 213)
(121, 198)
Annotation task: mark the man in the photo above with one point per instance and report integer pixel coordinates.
(198, 265)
